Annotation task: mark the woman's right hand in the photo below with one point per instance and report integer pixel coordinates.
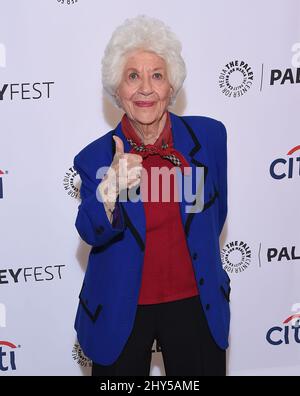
(127, 166)
(124, 172)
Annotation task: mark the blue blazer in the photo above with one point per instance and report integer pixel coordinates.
(110, 290)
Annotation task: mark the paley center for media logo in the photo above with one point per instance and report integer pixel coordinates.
(72, 182)
(236, 78)
(236, 257)
(287, 332)
(80, 357)
(286, 166)
(8, 356)
(67, 2)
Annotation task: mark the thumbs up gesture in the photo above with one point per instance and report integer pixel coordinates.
(127, 166)
(124, 172)
(119, 145)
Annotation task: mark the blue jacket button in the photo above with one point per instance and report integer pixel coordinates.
(100, 230)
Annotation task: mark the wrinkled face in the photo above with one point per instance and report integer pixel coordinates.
(144, 92)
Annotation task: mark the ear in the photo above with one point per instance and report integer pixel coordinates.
(171, 96)
(171, 92)
(117, 98)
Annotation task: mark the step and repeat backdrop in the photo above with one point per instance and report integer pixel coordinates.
(243, 62)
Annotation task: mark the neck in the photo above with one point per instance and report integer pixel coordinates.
(149, 133)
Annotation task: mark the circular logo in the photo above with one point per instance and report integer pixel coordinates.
(67, 2)
(79, 357)
(236, 79)
(236, 257)
(72, 183)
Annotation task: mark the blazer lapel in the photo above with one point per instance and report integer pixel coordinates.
(186, 141)
(133, 212)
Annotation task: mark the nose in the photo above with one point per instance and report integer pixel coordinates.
(146, 86)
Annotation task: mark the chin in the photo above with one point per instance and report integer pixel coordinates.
(146, 120)
(146, 117)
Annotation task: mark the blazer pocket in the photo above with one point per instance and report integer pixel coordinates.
(92, 310)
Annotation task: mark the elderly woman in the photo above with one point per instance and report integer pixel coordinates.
(154, 270)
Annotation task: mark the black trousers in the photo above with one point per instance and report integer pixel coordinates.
(181, 329)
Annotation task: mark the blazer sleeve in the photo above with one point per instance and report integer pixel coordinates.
(91, 222)
(222, 174)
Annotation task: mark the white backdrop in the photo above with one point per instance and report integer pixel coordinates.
(243, 63)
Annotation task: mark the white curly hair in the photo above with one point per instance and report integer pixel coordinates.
(148, 34)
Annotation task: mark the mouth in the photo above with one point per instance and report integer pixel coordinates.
(141, 103)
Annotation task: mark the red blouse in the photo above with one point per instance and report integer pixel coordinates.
(168, 272)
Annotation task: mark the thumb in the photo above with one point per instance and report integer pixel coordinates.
(119, 145)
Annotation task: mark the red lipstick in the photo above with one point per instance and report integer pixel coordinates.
(141, 103)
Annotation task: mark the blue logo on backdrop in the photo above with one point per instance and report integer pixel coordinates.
(7, 356)
(286, 334)
(289, 167)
